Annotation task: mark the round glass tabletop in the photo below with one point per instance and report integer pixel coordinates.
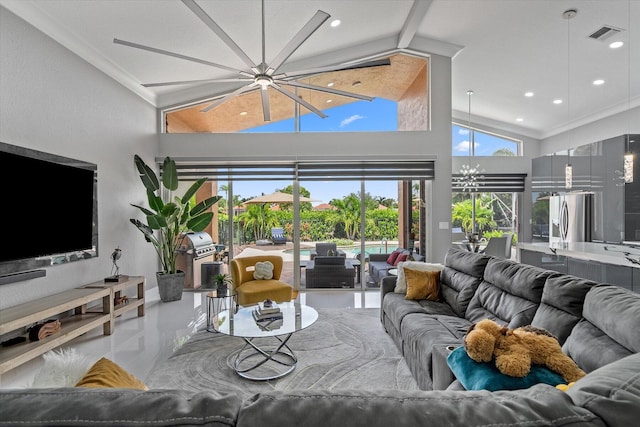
(295, 317)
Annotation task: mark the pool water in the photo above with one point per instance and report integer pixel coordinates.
(351, 251)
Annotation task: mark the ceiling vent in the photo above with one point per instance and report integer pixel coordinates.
(604, 33)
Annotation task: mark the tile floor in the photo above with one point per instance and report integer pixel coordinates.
(138, 342)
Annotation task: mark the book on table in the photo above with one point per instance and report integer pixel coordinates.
(268, 307)
(266, 316)
(270, 325)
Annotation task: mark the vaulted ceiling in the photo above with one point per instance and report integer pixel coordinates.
(500, 48)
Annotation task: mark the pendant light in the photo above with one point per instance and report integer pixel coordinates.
(568, 14)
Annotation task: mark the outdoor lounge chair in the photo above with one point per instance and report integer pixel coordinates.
(330, 272)
(322, 249)
(277, 236)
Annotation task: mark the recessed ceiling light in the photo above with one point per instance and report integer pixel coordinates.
(356, 83)
(557, 101)
(519, 119)
(329, 101)
(616, 45)
(335, 23)
(243, 113)
(528, 94)
(598, 82)
(330, 84)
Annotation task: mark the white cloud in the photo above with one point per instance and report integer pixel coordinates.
(463, 146)
(350, 120)
(463, 131)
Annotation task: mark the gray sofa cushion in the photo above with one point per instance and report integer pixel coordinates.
(509, 294)
(537, 406)
(561, 306)
(609, 330)
(91, 407)
(612, 392)
(460, 278)
(421, 334)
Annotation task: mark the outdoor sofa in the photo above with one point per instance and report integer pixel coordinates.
(379, 264)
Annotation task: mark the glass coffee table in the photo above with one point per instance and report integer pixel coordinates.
(265, 354)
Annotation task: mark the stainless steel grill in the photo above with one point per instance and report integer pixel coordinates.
(197, 249)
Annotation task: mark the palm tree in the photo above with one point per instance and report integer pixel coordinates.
(348, 212)
(461, 213)
(258, 218)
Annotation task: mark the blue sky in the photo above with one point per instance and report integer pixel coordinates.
(377, 115)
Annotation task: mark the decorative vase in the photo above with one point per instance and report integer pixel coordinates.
(170, 286)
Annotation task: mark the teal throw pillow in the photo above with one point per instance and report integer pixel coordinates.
(485, 376)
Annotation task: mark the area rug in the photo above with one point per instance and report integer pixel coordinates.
(343, 349)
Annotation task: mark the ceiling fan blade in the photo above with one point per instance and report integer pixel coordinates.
(298, 100)
(327, 89)
(209, 22)
(330, 68)
(241, 89)
(266, 111)
(186, 82)
(305, 32)
(175, 55)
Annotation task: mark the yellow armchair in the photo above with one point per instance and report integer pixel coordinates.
(251, 291)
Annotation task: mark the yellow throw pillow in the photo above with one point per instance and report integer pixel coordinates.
(107, 374)
(422, 284)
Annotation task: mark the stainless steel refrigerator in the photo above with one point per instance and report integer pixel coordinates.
(570, 218)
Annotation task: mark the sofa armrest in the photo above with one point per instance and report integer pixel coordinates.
(387, 284)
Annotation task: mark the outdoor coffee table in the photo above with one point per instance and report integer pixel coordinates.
(265, 354)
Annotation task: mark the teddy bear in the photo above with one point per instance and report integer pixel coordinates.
(515, 350)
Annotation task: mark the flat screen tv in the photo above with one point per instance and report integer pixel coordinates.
(50, 209)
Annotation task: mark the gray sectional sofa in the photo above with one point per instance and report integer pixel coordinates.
(598, 325)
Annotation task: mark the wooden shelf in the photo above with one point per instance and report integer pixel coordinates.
(100, 294)
(116, 288)
(30, 313)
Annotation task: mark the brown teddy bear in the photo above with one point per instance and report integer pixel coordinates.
(515, 350)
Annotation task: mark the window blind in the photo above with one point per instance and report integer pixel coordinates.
(493, 183)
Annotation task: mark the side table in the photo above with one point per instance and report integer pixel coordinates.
(217, 302)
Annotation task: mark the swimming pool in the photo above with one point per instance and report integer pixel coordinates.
(352, 251)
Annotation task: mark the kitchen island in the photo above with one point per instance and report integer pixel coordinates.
(601, 262)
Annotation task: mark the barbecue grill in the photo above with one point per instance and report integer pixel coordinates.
(197, 248)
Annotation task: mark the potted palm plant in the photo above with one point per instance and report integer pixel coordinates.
(222, 283)
(167, 223)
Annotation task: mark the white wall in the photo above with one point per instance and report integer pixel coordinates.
(434, 144)
(53, 101)
(627, 122)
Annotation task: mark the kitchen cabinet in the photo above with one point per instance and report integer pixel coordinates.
(541, 174)
(580, 161)
(543, 260)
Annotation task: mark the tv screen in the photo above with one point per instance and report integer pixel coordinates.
(49, 204)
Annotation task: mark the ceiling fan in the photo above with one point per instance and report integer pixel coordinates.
(264, 75)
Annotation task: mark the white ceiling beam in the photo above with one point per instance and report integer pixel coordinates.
(416, 15)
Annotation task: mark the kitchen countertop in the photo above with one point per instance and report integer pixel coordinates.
(607, 253)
